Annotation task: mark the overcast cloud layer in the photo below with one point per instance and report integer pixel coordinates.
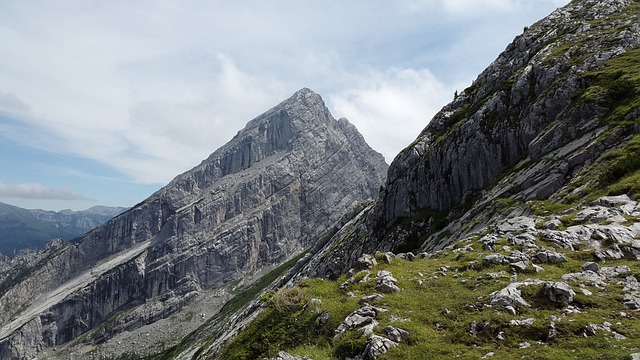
(147, 89)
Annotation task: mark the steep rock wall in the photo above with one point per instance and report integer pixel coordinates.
(254, 203)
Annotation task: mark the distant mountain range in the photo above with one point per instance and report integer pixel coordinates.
(23, 229)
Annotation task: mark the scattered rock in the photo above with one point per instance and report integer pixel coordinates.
(386, 282)
(517, 256)
(548, 256)
(597, 214)
(388, 257)
(538, 268)
(612, 201)
(376, 346)
(524, 345)
(591, 330)
(631, 284)
(357, 319)
(406, 256)
(585, 291)
(365, 278)
(558, 292)
(519, 266)
(322, 318)
(496, 275)
(631, 302)
(509, 296)
(396, 334)
(488, 355)
(282, 355)
(614, 271)
(618, 336)
(465, 249)
(493, 259)
(612, 253)
(366, 261)
(511, 310)
(369, 298)
(552, 331)
(525, 322)
(591, 266)
(473, 329)
(488, 242)
(517, 225)
(553, 224)
(588, 276)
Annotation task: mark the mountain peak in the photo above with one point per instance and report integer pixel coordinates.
(281, 129)
(305, 96)
(259, 200)
(303, 101)
(305, 91)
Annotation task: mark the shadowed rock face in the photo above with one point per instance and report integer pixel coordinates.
(257, 201)
(523, 106)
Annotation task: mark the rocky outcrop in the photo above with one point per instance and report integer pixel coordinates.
(521, 106)
(257, 201)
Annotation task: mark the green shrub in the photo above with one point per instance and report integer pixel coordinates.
(288, 300)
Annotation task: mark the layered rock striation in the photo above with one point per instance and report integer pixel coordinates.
(259, 200)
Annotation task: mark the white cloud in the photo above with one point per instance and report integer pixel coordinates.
(151, 88)
(392, 106)
(38, 191)
(481, 8)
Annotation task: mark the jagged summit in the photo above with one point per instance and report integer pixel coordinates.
(284, 121)
(256, 202)
(303, 100)
(290, 126)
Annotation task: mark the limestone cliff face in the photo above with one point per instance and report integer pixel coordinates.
(254, 203)
(523, 106)
(561, 95)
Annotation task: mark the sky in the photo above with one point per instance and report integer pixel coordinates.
(104, 102)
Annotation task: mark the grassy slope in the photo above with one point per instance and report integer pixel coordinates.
(443, 334)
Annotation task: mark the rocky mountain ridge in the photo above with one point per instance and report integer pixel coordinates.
(548, 129)
(254, 203)
(530, 127)
(27, 229)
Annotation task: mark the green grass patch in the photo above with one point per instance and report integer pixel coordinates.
(440, 298)
(212, 326)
